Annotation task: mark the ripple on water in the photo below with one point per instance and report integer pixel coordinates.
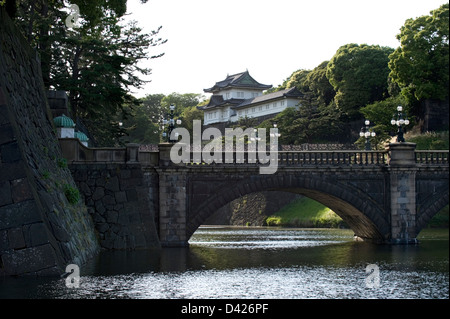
(264, 263)
(280, 283)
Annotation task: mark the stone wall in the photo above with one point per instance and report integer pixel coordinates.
(252, 209)
(435, 115)
(58, 103)
(42, 227)
(122, 203)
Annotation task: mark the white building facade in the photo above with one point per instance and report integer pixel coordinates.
(240, 96)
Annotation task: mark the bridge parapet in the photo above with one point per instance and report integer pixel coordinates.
(75, 152)
(333, 158)
(284, 158)
(439, 157)
(305, 158)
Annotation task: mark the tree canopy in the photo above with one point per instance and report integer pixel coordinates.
(144, 126)
(97, 64)
(359, 75)
(420, 65)
(319, 85)
(96, 61)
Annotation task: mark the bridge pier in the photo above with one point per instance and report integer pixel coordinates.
(172, 201)
(402, 172)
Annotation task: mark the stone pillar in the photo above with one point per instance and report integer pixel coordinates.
(172, 207)
(172, 200)
(164, 154)
(402, 171)
(132, 153)
(58, 102)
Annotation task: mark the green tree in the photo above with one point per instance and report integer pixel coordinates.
(180, 101)
(144, 124)
(284, 121)
(420, 66)
(359, 75)
(43, 22)
(298, 79)
(153, 108)
(380, 114)
(185, 108)
(95, 62)
(310, 123)
(103, 69)
(318, 83)
(188, 116)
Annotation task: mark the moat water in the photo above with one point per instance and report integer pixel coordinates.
(270, 263)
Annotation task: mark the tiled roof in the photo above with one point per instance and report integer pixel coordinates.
(240, 80)
(292, 92)
(217, 100)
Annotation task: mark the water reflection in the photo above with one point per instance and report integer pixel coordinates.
(221, 248)
(256, 263)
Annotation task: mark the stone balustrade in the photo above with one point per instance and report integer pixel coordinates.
(432, 157)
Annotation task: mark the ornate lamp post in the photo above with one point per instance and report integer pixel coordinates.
(255, 137)
(171, 122)
(400, 122)
(277, 135)
(367, 133)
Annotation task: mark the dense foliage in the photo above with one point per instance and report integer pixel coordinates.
(369, 82)
(358, 74)
(145, 126)
(97, 63)
(95, 58)
(420, 65)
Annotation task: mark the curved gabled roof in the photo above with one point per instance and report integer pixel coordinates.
(239, 80)
(217, 100)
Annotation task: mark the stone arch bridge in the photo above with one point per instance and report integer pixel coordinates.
(384, 196)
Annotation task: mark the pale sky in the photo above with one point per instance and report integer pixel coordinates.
(208, 39)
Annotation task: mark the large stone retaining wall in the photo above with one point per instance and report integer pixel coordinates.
(42, 228)
(122, 203)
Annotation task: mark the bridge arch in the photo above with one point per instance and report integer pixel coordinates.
(430, 207)
(362, 213)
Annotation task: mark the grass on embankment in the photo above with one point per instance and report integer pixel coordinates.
(440, 220)
(305, 212)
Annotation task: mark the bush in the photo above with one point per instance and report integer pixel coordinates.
(273, 221)
(72, 194)
(431, 141)
(62, 162)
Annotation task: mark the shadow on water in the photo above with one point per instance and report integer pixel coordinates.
(256, 263)
(230, 248)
